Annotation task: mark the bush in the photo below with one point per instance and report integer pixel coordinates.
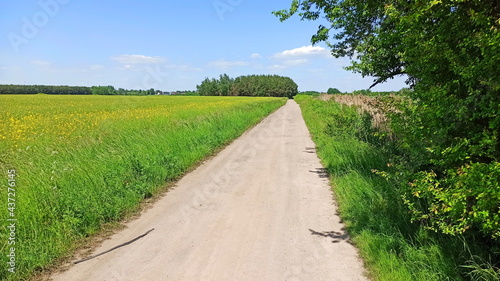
(333, 91)
(450, 158)
(310, 93)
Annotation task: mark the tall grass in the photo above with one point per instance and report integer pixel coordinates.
(392, 247)
(82, 161)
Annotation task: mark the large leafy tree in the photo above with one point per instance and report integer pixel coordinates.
(449, 50)
(427, 40)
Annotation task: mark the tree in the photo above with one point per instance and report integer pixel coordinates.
(103, 90)
(264, 86)
(225, 83)
(252, 85)
(449, 50)
(425, 40)
(333, 91)
(207, 87)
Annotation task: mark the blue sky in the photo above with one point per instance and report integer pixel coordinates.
(166, 45)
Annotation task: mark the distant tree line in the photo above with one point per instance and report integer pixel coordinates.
(69, 90)
(110, 90)
(252, 85)
(368, 92)
(42, 89)
(310, 93)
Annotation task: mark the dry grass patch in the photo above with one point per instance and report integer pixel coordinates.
(371, 105)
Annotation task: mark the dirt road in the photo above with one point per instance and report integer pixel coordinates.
(260, 210)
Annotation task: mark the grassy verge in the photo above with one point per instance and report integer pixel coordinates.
(82, 161)
(372, 207)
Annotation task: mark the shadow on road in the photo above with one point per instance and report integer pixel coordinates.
(336, 236)
(321, 172)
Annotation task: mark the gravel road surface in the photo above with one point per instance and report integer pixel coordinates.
(261, 209)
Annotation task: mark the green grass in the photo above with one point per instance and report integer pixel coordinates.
(392, 247)
(84, 161)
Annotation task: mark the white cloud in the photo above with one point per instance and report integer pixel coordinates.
(305, 51)
(137, 59)
(183, 67)
(299, 56)
(277, 67)
(255, 56)
(40, 63)
(224, 64)
(294, 62)
(287, 63)
(96, 67)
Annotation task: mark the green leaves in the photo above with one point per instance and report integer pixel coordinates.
(286, 14)
(467, 198)
(415, 38)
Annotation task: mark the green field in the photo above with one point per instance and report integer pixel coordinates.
(74, 163)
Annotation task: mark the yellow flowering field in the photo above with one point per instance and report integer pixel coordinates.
(69, 164)
(27, 119)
